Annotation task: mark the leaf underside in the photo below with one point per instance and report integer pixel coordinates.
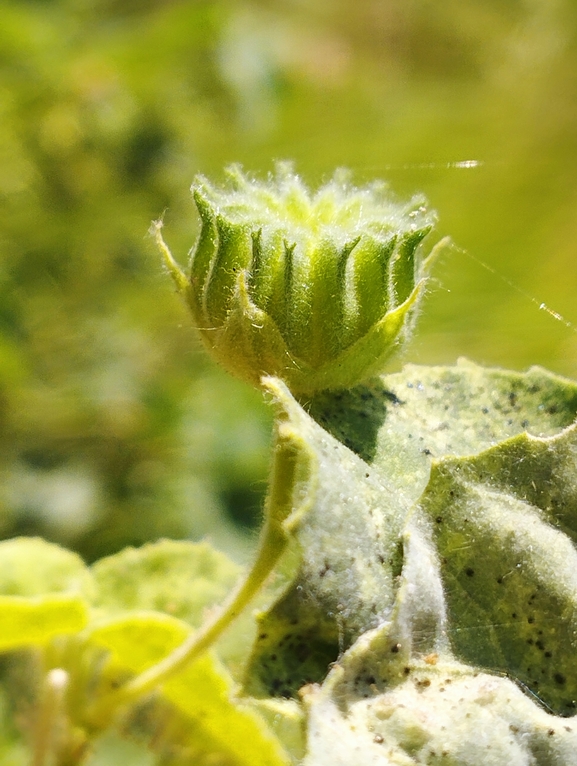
(441, 514)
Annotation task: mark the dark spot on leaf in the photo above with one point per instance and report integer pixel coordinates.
(439, 519)
(560, 679)
(469, 572)
(326, 568)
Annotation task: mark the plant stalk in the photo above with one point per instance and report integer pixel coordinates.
(272, 544)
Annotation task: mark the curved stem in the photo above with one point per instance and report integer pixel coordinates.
(273, 542)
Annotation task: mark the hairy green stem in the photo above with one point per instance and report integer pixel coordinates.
(272, 544)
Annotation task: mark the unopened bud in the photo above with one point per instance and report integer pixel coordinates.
(315, 288)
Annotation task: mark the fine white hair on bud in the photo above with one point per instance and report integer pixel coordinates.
(317, 288)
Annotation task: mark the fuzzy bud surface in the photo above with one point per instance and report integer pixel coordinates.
(315, 288)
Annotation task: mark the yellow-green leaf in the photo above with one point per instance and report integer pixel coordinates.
(219, 727)
(31, 621)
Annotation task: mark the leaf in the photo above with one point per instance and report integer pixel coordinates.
(383, 534)
(42, 589)
(26, 622)
(505, 526)
(30, 566)
(436, 713)
(286, 719)
(194, 718)
(179, 578)
(440, 411)
(217, 729)
(347, 522)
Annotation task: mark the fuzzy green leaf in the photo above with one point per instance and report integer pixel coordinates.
(425, 412)
(429, 509)
(179, 578)
(505, 526)
(434, 714)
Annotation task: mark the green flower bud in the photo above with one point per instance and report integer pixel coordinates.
(317, 289)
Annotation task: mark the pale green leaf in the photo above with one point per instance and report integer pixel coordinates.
(179, 578)
(30, 566)
(399, 420)
(429, 508)
(441, 713)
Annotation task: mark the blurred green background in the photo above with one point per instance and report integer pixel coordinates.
(115, 428)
